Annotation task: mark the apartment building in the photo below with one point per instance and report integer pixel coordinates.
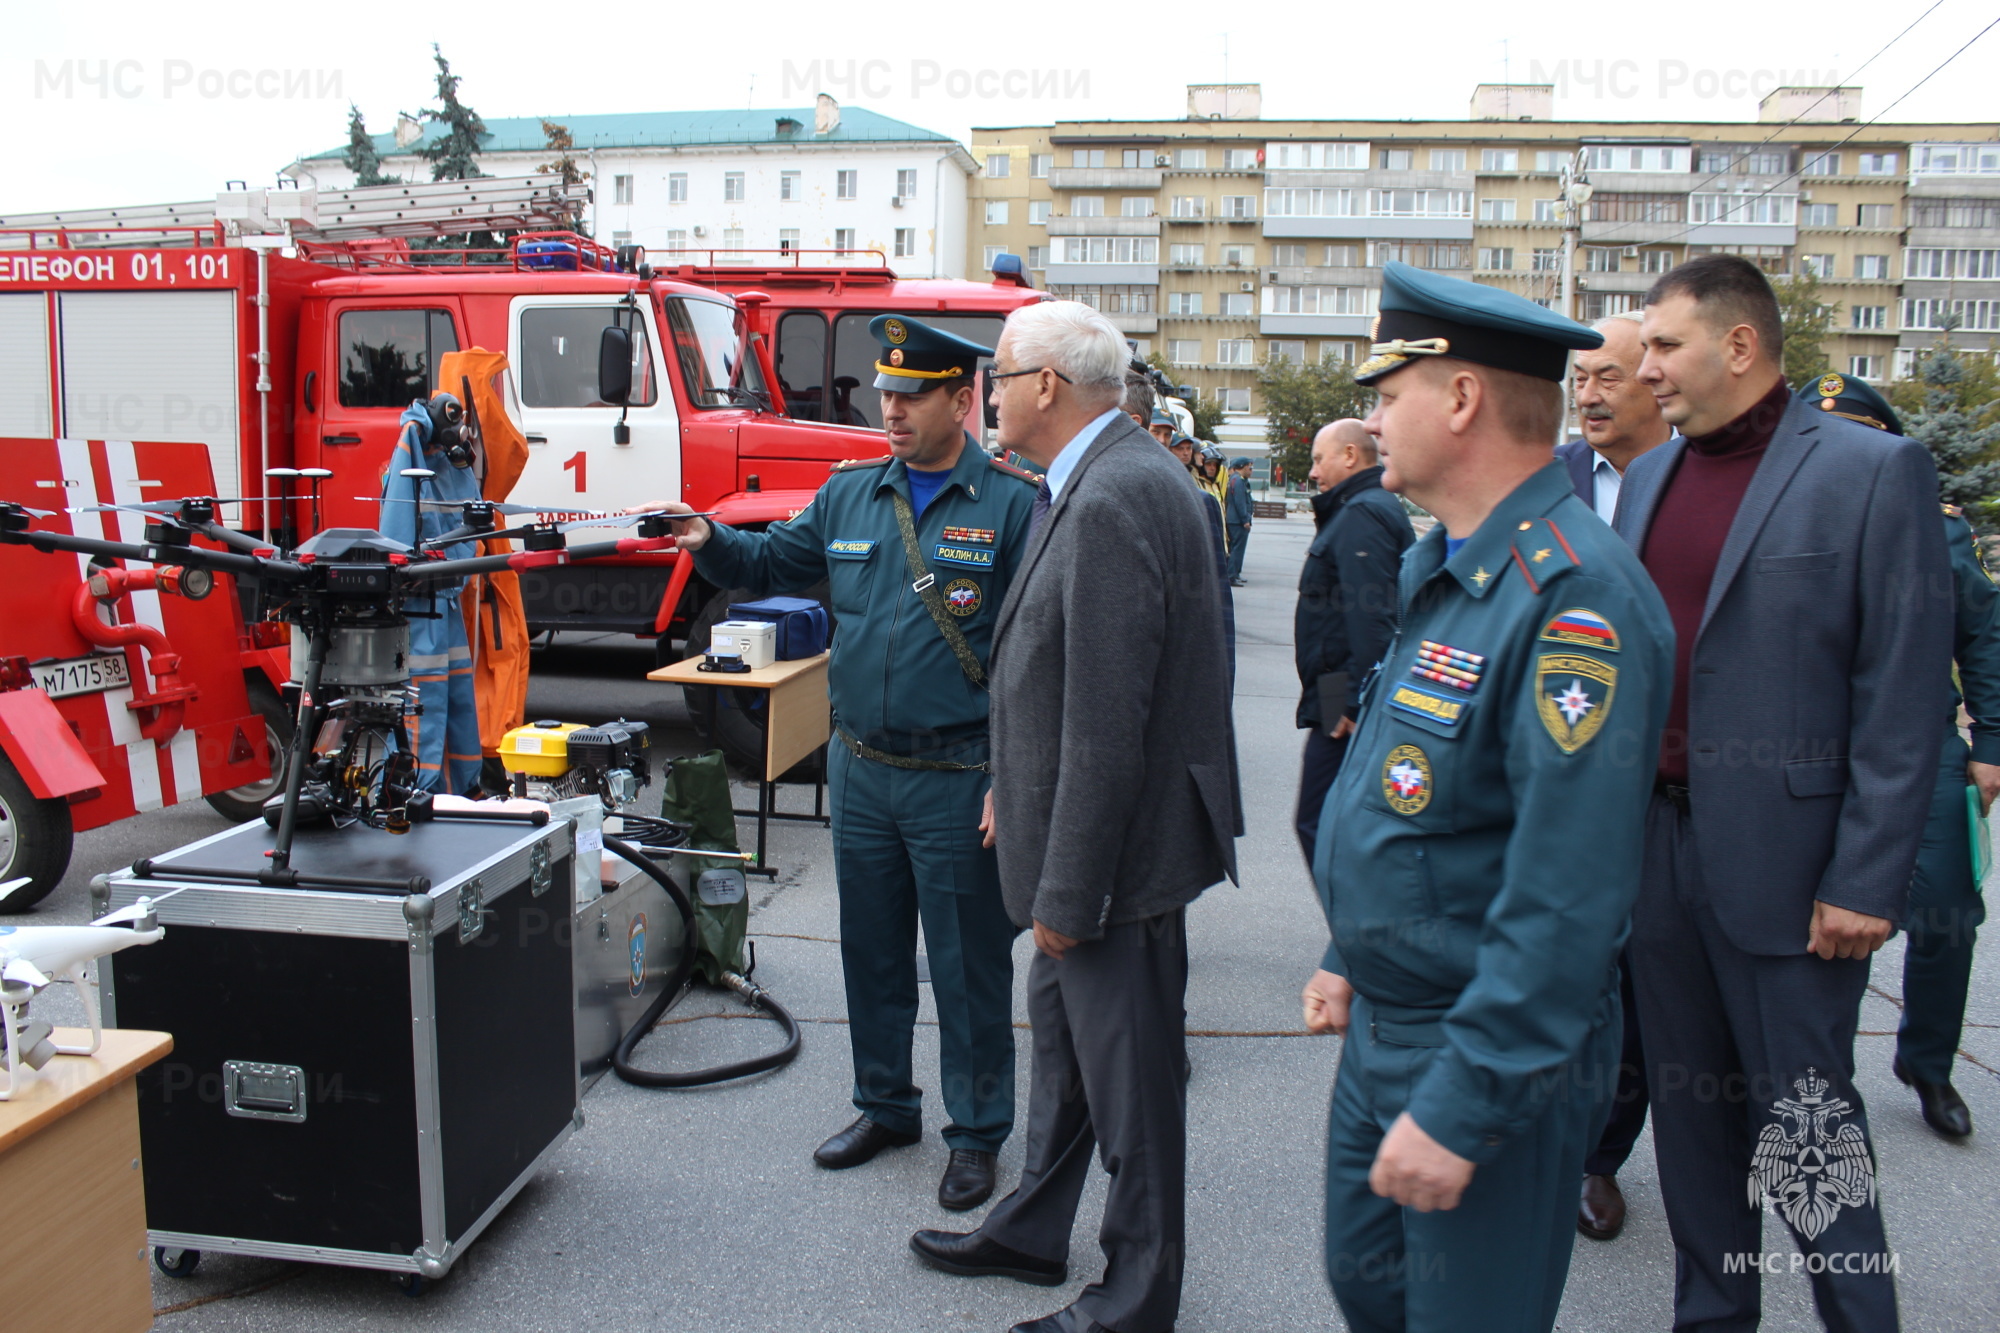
(1222, 240)
(735, 185)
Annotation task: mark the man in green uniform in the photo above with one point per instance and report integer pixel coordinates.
(1946, 909)
(1479, 853)
(918, 550)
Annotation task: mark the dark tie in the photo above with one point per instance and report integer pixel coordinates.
(1043, 499)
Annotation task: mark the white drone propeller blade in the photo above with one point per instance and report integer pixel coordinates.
(136, 910)
(23, 973)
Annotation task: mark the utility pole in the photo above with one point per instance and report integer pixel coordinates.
(1576, 192)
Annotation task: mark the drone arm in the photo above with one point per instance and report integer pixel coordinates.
(242, 541)
(197, 556)
(436, 571)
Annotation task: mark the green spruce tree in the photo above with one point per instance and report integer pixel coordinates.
(454, 154)
(1964, 447)
(1807, 321)
(361, 157)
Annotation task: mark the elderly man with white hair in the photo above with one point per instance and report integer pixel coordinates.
(1114, 804)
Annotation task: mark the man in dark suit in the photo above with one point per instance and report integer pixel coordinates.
(1620, 422)
(1115, 804)
(1347, 604)
(1240, 510)
(1801, 558)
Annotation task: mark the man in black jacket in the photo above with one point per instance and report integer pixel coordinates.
(1347, 603)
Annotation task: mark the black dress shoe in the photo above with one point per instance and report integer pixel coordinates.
(858, 1143)
(968, 1179)
(1066, 1320)
(1600, 1214)
(1944, 1110)
(969, 1254)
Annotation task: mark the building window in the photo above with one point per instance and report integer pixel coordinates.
(1086, 206)
(843, 238)
(1288, 256)
(1112, 300)
(620, 239)
(1818, 266)
(1550, 161)
(1039, 164)
(1973, 316)
(1447, 159)
(1600, 259)
(1038, 211)
(1496, 258)
(677, 187)
(1715, 164)
(788, 240)
(1636, 208)
(732, 186)
(1184, 351)
(1769, 164)
(1871, 317)
(906, 183)
(1236, 352)
(1871, 268)
(1239, 206)
(1547, 260)
(1865, 367)
(1185, 256)
(1110, 250)
(993, 252)
(1190, 159)
(1131, 158)
(1188, 206)
(1821, 164)
(1395, 159)
(1746, 207)
(846, 184)
(1878, 164)
(999, 164)
(1819, 215)
(906, 242)
(1423, 254)
(1286, 352)
(1496, 210)
(1238, 305)
(1499, 159)
(1341, 352)
(1086, 157)
(996, 212)
(1951, 159)
(789, 186)
(1320, 301)
(1342, 256)
(1235, 400)
(1237, 256)
(1239, 159)
(1875, 215)
(1602, 305)
(1773, 259)
(1655, 261)
(1183, 303)
(732, 245)
(1546, 211)
(1601, 157)
(1038, 256)
(1135, 206)
(1978, 265)
(677, 240)
(621, 189)
(1981, 213)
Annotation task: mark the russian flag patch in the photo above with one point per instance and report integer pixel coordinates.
(1579, 626)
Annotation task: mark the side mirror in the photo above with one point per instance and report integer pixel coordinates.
(614, 365)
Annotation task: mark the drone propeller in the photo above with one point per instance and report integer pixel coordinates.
(173, 507)
(38, 513)
(497, 506)
(606, 521)
(23, 973)
(138, 911)
(626, 520)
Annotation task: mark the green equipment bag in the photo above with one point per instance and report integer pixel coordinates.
(697, 793)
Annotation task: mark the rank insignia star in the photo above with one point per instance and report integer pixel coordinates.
(1479, 576)
(1542, 555)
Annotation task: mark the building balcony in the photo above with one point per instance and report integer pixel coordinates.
(1135, 323)
(1634, 233)
(1741, 233)
(1105, 178)
(1097, 275)
(1104, 226)
(1355, 228)
(1616, 282)
(1368, 180)
(1952, 238)
(1322, 277)
(1316, 326)
(1966, 186)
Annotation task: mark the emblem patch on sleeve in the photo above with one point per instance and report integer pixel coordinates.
(962, 597)
(1573, 695)
(1406, 780)
(1577, 625)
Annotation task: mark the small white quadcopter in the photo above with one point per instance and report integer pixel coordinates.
(33, 956)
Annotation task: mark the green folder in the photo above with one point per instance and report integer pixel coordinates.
(1981, 834)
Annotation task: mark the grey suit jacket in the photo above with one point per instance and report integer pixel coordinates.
(1820, 671)
(1114, 755)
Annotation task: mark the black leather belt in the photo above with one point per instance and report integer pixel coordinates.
(1673, 791)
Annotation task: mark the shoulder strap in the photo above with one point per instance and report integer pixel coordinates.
(925, 584)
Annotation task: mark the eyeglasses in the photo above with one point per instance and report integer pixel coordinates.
(993, 378)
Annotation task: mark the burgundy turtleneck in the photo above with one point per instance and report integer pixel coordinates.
(1684, 542)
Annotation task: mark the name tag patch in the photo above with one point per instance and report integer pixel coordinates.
(1424, 703)
(850, 548)
(964, 555)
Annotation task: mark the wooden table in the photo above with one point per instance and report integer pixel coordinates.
(798, 720)
(73, 1191)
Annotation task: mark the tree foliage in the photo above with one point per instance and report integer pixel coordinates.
(1963, 444)
(361, 157)
(1807, 321)
(559, 142)
(1299, 399)
(454, 154)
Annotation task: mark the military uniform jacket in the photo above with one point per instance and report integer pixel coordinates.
(1976, 637)
(894, 681)
(1480, 851)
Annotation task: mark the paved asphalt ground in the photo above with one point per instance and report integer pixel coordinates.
(702, 1211)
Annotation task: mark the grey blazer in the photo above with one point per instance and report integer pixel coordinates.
(1821, 676)
(1114, 754)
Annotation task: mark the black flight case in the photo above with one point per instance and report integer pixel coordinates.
(358, 1078)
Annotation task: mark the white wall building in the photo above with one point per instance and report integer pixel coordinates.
(735, 182)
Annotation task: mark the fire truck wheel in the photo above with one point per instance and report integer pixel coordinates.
(738, 732)
(34, 840)
(247, 801)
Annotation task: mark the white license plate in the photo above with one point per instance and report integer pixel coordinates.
(82, 675)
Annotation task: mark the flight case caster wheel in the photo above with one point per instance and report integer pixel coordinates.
(412, 1284)
(176, 1263)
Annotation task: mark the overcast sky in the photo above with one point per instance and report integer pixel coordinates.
(125, 104)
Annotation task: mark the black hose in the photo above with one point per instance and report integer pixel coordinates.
(621, 1059)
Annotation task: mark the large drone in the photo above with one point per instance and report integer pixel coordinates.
(32, 957)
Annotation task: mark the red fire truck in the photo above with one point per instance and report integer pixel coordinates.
(299, 347)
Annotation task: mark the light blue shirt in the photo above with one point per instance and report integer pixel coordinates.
(1065, 462)
(1605, 484)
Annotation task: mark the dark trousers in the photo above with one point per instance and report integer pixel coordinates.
(1628, 1110)
(1110, 1045)
(1498, 1261)
(1239, 538)
(906, 846)
(1945, 914)
(1750, 1060)
(1317, 771)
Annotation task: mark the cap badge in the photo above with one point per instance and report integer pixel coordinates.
(1831, 386)
(896, 353)
(895, 331)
